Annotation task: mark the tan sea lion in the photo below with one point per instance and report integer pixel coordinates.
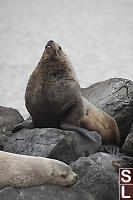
(25, 171)
(53, 99)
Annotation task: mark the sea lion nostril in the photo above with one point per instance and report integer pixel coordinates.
(77, 177)
(50, 41)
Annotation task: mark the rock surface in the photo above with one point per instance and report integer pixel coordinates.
(115, 97)
(98, 176)
(45, 192)
(127, 148)
(3, 140)
(65, 146)
(8, 118)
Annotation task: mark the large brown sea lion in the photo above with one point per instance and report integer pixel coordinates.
(25, 171)
(53, 99)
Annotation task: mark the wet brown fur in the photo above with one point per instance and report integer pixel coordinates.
(52, 85)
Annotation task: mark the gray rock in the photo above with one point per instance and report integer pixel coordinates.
(115, 97)
(128, 145)
(97, 176)
(3, 140)
(45, 192)
(65, 146)
(9, 117)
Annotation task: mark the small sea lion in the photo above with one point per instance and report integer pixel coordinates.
(124, 162)
(25, 171)
(53, 99)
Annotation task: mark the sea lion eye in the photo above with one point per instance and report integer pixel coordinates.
(63, 175)
(59, 48)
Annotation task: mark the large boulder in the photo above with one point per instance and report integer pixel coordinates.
(9, 117)
(45, 192)
(62, 145)
(115, 97)
(97, 176)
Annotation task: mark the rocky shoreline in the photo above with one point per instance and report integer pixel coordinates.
(98, 178)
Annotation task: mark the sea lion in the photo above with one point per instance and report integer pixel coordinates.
(53, 99)
(124, 162)
(25, 171)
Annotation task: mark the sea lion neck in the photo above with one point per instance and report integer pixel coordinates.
(54, 65)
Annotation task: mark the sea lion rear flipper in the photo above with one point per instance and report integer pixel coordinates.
(24, 124)
(112, 149)
(70, 127)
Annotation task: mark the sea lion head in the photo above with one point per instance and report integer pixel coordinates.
(125, 162)
(61, 174)
(53, 51)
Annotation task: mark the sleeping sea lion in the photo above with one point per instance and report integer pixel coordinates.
(25, 171)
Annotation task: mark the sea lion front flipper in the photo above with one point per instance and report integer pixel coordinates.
(70, 127)
(68, 105)
(112, 149)
(25, 124)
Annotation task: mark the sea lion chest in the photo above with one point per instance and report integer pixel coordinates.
(45, 98)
